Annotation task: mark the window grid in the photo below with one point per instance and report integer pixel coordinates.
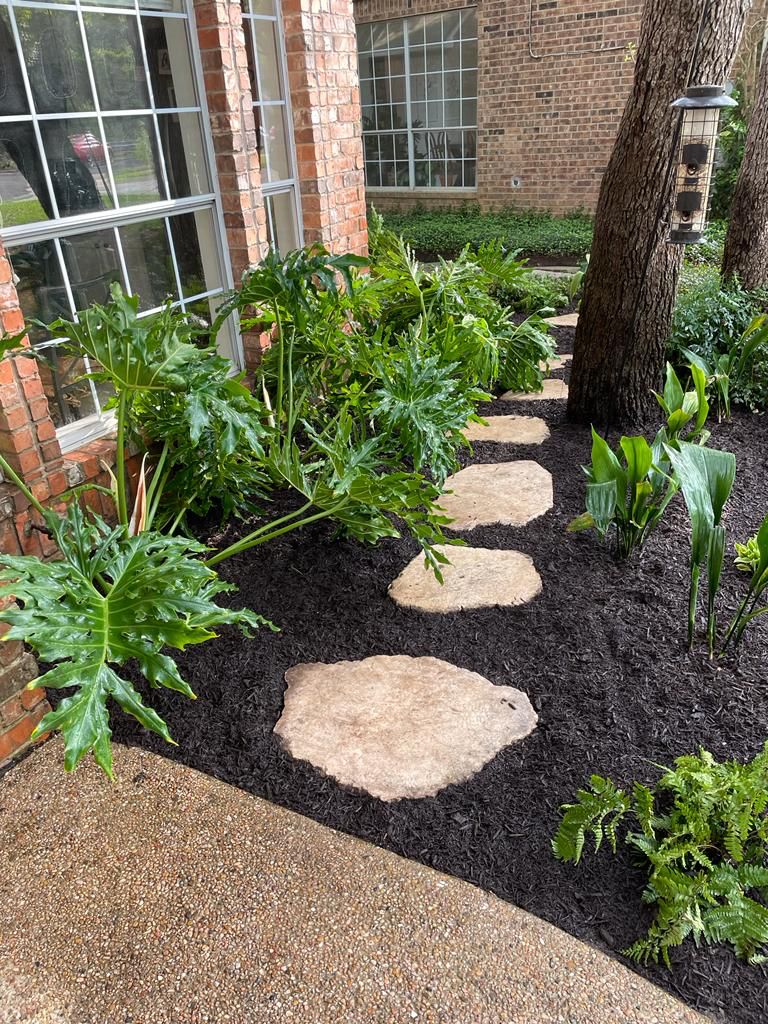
(112, 218)
(275, 135)
(418, 83)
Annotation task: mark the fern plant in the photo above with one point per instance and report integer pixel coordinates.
(702, 832)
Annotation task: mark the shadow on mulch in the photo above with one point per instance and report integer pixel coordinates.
(601, 654)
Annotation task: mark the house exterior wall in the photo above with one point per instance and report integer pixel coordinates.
(321, 55)
(553, 78)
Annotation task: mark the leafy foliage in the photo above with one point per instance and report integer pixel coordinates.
(753, 557)
(702, 830)
(706, 478)
(730, 145)
(446, 233)
(713, 328)
(627, 490)
(111, 598)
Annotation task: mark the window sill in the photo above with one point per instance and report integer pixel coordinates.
(405, 190)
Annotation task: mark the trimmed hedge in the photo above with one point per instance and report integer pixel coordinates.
(434, 233)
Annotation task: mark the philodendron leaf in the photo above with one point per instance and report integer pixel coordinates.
(110, 599)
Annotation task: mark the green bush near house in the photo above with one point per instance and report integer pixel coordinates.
(533, 233)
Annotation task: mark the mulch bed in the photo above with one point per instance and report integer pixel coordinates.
(601, 654)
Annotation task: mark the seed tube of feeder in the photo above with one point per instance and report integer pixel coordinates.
(700, 111)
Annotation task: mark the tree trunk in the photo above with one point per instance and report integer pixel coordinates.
(629, 291)
(746, 244)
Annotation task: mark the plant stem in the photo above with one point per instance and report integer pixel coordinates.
(13, 475)
(692, 602)
(122, 500)
(268, 532)
(156, 486)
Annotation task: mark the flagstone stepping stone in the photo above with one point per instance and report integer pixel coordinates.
(484, 494)
(552, 387)
(397, 726)
(508, 430)
(566, 320)
(476, 578)
(557, 362)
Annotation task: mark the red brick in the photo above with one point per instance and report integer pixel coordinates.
(18, 736)
(31, 698)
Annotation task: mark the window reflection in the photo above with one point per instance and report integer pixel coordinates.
(148, 262)
(113, 41)
(77, 165)
(133, 154)
(55, 60)
(23, 192)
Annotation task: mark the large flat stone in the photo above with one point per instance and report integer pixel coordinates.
(476, 578)
(565, 320)
(398, 726)
(557, 362)
(508, 430)
(510, 493)
(553, 387)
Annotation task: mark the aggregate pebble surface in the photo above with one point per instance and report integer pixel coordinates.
(172, 898)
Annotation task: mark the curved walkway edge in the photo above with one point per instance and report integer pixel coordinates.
(171, 898)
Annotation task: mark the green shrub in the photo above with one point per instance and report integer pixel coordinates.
(730, 144)
(445, 233)
(711, 322)
(702, 831)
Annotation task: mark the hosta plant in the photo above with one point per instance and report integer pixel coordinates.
(702, 833)
(627, 491)
(706, 478)
(730, 370)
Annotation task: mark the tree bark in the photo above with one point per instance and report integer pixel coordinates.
(746, 243)
(629, 290)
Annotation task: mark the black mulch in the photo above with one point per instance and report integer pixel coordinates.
(601, 654)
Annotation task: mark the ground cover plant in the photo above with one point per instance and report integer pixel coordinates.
(434, 233)
(719, 327)
(702, 831)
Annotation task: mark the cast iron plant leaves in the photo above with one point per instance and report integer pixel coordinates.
(112, 598)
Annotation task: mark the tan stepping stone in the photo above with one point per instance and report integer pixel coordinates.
(397, 726)
(553, 387)
(557, 362)
(566, 320)
(508, 430)
(476, 578)
(510, 493)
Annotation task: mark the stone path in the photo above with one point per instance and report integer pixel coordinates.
(484, 494)
(508, 430)
(475, 578)
(565, 320)
(399, 727)
(172, 898)
(552, 387)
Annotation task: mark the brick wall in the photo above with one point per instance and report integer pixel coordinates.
(551, 95)
(325, 97)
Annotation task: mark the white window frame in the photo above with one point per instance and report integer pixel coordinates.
(289, 185)
(81, 431)
(409, 130)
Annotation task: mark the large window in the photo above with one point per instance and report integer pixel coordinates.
(105, 174)
(271, 108)
(418, 88)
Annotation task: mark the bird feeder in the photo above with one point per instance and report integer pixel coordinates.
(700, 109)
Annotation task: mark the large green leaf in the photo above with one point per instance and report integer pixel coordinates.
(706, 477)
(131, 353)
(110, 599)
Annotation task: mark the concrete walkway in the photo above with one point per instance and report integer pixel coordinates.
(170, 898)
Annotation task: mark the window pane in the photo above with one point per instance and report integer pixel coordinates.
(170, 68)
(55, 60)
(76, 162)
(259, 7)
(133, 153)
(194, 237)
(23, 192)
(433, 28)
(13, 98)
(267, 60)
(92, 265)
(372, 175)
(148, 262)
(184, 152)
(274, 140)
(281, 221)
(469, 23)
(113, 40)
(363, 37)
(42, 296)
(451, 25)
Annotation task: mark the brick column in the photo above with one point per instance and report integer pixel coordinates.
(321, 51)
(28, 442)
(230, 104)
